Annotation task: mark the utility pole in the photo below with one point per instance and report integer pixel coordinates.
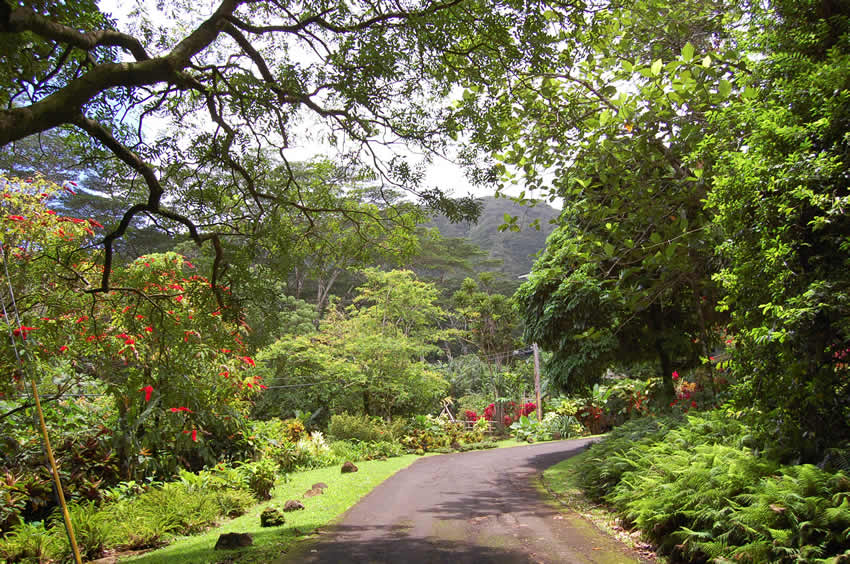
(537, 380)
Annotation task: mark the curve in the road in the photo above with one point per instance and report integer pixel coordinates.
(466, 508)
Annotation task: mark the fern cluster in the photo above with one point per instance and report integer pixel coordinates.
(695, 487)
(148, 519)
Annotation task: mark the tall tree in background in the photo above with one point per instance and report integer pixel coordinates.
(488, 317)
(611, 128)
(368, 358)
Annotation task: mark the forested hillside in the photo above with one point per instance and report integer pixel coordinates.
(515, 248)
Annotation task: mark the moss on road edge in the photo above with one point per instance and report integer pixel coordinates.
(559, 485)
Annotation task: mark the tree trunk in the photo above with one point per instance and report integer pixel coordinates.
(666, 372)
(324, 290)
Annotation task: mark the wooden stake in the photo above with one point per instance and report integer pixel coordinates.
(537, 381)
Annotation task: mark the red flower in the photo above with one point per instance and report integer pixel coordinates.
(23, 331)
(263, 387)
(194, 434)
(248, 360)
(189, 264)
(82, 318)
(176, 409)
(16, 218)
(249, 384)
(94, 223)
(130, 341)
(63, 348)
(140, 316)
(225, 374)
(675, 375)
(50, 212)
(693, 404)
(225, 351)
(148, 390)
(179, 299)
(126, 309)
(149, 329)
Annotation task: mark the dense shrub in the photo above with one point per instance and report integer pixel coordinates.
(313, 452)
(425, 433)
(697, 487)
(260, 477)
(364, 428)
(511, 411)
(82, 447)
(366, 450)
(29, 542)
(136, 516)
(564, 426)
(90, 528)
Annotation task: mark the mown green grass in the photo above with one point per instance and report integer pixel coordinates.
(344, 490)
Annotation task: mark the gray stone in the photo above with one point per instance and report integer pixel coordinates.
(233, 540)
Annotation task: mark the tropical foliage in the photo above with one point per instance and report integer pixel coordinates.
(203, 315)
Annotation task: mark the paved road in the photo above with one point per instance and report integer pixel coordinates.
(465, 508)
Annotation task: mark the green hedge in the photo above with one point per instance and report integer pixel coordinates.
(698, 489)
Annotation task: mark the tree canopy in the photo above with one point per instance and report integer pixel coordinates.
(701, 152)
(191, 104)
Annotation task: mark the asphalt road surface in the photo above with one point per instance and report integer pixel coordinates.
(474, 507)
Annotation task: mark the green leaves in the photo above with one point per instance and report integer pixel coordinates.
(724, 88)
(655, 68)
(688, 52)
(778, 159)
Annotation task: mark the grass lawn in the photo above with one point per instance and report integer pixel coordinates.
(344, 490)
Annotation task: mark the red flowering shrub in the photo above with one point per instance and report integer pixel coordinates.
(152, 344)
(511, 411)
(471, 415)
(593, 418)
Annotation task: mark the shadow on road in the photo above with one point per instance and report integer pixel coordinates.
(386, 549)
